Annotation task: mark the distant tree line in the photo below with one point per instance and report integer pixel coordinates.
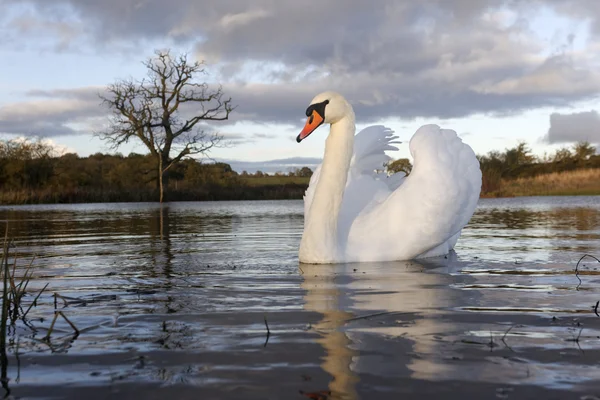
(32, 172)
(519, 162)
(303, 172)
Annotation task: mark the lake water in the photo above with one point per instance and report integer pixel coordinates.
(175, 302)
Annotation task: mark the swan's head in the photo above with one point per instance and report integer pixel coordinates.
(325, 108)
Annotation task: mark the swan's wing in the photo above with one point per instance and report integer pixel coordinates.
(363, 181)
(394, 181)
(370, 159)
(429, 209)
(370, 146)
(367, 179)
(368, 184)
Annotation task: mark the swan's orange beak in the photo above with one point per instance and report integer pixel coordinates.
(313, 122)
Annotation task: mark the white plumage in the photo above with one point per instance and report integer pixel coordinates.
(362, 215)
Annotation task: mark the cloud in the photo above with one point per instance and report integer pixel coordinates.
(576, 127)
(401, 59)
(52, 113)
(232, 21)
(242, 138)
(76, 111)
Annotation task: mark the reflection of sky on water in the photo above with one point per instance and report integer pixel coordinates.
(214, 270)
(554, 229)
(418, 326)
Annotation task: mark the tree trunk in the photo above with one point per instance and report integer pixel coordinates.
(160, 178)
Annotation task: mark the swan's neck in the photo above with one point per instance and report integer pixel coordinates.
(320, 238)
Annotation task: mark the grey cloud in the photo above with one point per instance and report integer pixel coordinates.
(243, 138)
(584, 9)
(396, 96)
(88, 94)
(71, 112)
(35, 128)
(576, 127)
(52, 113)
(400, 59)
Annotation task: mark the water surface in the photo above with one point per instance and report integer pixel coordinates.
(172, 301)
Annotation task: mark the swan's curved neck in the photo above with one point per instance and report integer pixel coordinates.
(320, 238)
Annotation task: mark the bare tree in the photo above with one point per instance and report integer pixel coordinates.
(163, 111)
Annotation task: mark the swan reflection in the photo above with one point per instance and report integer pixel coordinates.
(368, 307)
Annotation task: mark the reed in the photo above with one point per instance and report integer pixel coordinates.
(14, 290)
(4, 316)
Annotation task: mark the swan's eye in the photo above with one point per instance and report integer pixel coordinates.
(310, 120)
(319, 107)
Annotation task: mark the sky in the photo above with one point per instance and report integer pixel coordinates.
(497, 72)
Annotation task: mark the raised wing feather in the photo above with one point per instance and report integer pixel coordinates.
(425, 214)
(367, 181)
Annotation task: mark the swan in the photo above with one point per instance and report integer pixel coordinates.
(352, 213)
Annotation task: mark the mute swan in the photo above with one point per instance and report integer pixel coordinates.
(353, 214)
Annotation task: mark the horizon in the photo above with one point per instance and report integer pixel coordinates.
(279, 165)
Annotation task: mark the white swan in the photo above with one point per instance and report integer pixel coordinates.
(353, 214)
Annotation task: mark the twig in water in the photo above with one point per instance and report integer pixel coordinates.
(268, 332)
(63, 298)
(372, 315)
(47, 337)
(504, 338)
(579, 335)
(56, 314)
(577, 267)
(506, 333)
(69, 322)
(576, 340)
(596, 308)
(18, 378)
(34, 302)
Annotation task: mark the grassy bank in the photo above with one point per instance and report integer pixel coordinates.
(206, 192)
(237, 187)
(567, 183)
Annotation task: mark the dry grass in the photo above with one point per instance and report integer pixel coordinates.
(579, 182)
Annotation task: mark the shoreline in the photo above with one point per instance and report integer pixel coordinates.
(581, 182)
(98, 201)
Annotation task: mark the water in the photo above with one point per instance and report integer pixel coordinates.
(174, 303)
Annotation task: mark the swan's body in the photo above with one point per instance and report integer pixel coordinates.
(353, 214)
